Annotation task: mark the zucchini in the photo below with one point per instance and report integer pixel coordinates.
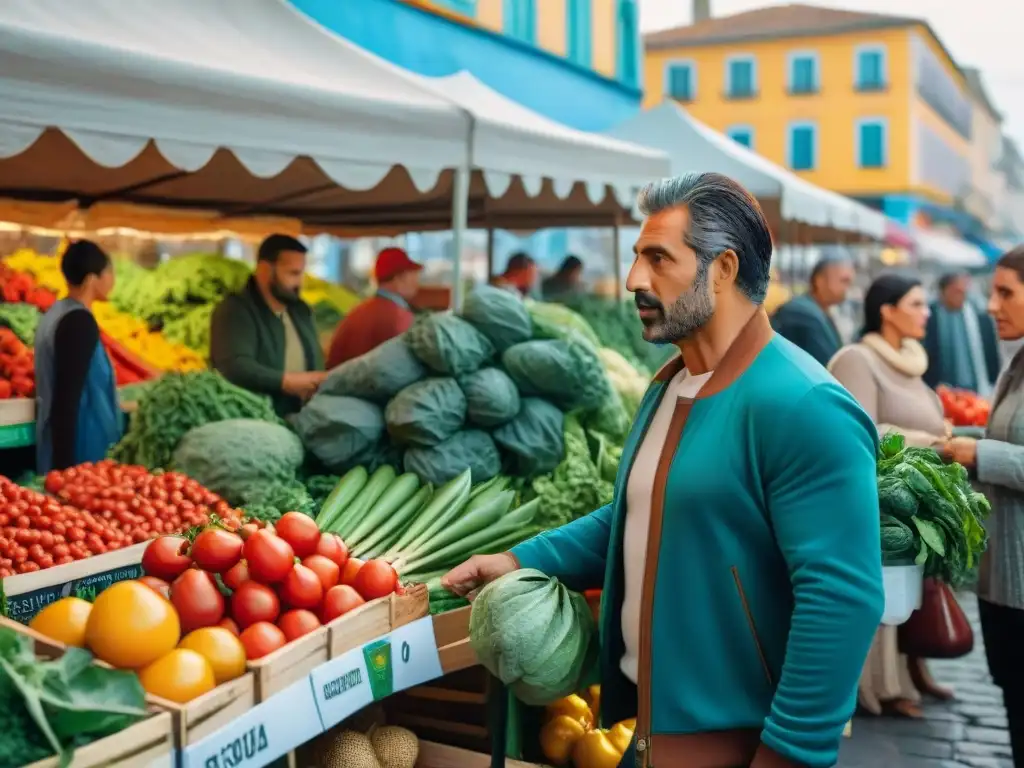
(344, 493)
(398, 493)
(447, 502)
(356, 511)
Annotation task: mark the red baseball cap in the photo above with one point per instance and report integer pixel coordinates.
(392, 262)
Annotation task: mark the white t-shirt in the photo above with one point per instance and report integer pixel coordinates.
(639, 489)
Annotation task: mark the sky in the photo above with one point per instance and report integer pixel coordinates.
(980, 33)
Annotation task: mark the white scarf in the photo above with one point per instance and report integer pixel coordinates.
(910, 359)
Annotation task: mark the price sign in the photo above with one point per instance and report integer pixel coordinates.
(342, 686)
(414, 656)
(263, 734)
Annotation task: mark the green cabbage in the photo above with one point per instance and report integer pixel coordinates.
(568, 373)
(533, 634)
(499, 315)
(448, 345)
(491, 397)
(426, 413)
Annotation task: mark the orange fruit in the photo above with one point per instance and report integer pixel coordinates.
(64, 621)
(131, 626)
(221, 648)
(180, 676)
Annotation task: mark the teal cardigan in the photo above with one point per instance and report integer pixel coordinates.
(764, 561)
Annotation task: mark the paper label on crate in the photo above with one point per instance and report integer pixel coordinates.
(263, 734)
(23, 607)
(414, 657)
(343, 686)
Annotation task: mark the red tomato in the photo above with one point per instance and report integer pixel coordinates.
(332, 546)
(166, 557)
(300, 531)
(197, 600)
(301, 588)
(350, 569)
(326, 570)
(269, 557)
(260, 639)
(216, 550)
(375, 579)
(338, 601)
(248, 530)
(236, 574)
(254, 602)
(297, 622)
(229, 624)
(159, 586)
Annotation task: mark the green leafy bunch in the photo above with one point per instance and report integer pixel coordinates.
(930, 515)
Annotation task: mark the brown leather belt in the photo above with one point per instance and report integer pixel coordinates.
(715, 749)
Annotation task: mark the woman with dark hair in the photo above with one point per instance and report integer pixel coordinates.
(997, 461)
(883, 371)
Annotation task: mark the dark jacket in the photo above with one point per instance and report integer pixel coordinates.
(936, 346)
(806, 324)
(247, 344)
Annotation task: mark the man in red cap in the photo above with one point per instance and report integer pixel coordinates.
(384, 316)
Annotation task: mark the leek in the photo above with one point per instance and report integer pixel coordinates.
(354, 512)
(447, 502)
(392, 527)
(397, 494)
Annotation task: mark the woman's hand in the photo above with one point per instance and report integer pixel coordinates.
(962, 450)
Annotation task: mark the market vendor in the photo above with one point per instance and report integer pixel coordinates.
(740, 559)
(383, 316)
(78, 417)
(567, 281)
(806, 320)
(263, 338)
(520, 274)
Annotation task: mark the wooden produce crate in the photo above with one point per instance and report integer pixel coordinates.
(205, 714)
(277, 670)
(147, 744)
(451, 710)
(377, 618)
(28, 593)
(433, 755)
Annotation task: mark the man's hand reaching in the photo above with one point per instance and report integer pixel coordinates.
(302, 385)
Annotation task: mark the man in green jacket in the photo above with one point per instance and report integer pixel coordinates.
(740, 558)
(263, 338)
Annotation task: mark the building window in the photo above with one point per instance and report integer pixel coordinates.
(803, 146)
(803, 73)
(742, 134)
(628, 43)
(872, 144)
(740, 77)
(520, 20)
(870, 66)
(578, 31)
(681, 80)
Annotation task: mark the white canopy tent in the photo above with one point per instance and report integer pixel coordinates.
(251, 109)
(695, 148)
(943, 250)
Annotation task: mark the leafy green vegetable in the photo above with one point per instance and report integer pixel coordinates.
(70, 700)
(930, 514)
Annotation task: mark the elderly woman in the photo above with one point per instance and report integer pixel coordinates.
(997, 460)
(883, 371)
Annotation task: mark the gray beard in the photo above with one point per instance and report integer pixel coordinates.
(687, 314)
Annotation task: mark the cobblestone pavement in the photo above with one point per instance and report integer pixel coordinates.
(969, 732)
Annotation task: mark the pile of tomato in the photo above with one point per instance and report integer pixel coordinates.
(17, 367)
(21, 288)
(267, 585)
(964, 408)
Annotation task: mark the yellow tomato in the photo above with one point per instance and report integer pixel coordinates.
(131, 625)
(221, 648)
(64, 621)
(178, 676)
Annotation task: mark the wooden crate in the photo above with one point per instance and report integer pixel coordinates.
(277, 670)
(377, 618)
(433, 755)
(147, 744)
(197, 719)
(29, 593)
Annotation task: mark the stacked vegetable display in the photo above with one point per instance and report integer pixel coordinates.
(930, 514)
(570, 735)
(964, 408)
(17, 366)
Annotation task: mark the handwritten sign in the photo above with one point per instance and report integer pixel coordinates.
(341, 687)
(263, 734)
(414, 657)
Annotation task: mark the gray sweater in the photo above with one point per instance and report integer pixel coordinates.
(1000, 471)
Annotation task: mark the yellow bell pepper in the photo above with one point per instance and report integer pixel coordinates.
(575, 707)
(558, 737)
(596, 750)
(593, 699)
(621, 734)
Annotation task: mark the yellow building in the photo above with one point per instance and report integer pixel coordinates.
(869, 105)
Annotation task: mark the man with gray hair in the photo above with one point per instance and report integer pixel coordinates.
(805, 320)
(739, 558)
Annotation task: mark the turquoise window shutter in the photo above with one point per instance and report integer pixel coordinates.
(802, 148)
(870, 73)
(520, 20)
(872, 145)
(741, 78)
(680, 82)
(628, 43)
(804, 77)
(579, 31)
